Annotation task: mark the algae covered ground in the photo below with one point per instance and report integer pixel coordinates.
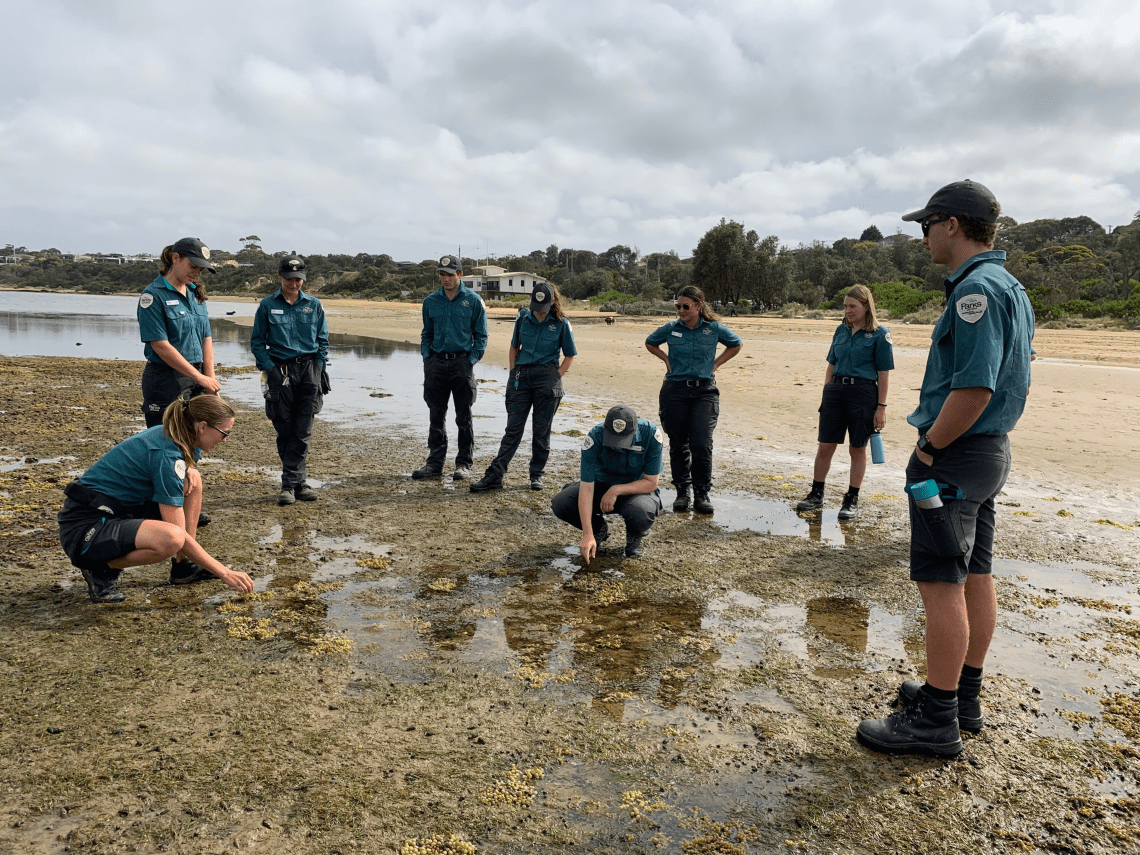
(426, 670)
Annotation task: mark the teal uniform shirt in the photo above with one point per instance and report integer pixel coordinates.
(282, 332)
(622, 465)
(863, 354)
(147, 467)
(165, 315)
(692, 352)
(984, 338)
(539, 343)
(454, 325)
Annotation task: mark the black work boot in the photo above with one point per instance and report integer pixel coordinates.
(850, 508)
(701, 503)
(970, 716)
(926, 725)
(812, 502)
(681, 503)
(103, 584)
(186, 572)
(633, 547)
(601, 531)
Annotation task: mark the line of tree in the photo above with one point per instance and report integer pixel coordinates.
(1070, 266)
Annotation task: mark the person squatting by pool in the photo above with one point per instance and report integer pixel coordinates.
(138, 504)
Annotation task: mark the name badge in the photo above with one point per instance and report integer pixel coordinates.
(677, 334)
(172, 302)
(277, 311)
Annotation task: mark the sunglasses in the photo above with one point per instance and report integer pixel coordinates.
(931, 221)
(225, 433)
(684, 306)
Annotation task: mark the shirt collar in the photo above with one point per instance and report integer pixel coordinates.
(993, 256)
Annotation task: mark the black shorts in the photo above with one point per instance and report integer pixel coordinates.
(848, 409)
(91, 537)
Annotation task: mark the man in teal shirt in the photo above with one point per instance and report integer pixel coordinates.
(291, 345)
(453, 339)
(621, 464)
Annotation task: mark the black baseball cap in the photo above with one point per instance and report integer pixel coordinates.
(621, 425)
(196, 251)
(541, 298)
(450, 264)
(960, 199)
(292, 267)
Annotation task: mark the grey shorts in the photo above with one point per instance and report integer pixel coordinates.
(958, 539)
(91, 538)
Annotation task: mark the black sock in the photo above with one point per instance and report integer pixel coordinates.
(940, 694)
(971, 672)
(817, 486)
(853, 492)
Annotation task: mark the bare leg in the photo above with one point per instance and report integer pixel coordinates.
(823, 457)
(981, 612)
(947, 632)
(858, 465)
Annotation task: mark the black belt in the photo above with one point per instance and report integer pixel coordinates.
(452, 354)
(853, 381)
(298, 360)
(95, 500)
(704, 381)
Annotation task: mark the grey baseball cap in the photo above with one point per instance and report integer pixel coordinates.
(541, 298)
(196, 251)
(621, 425)
(450, 264)
(960, 199)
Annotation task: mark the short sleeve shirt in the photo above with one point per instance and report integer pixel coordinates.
(165, 315)
(692, 352)
(541, 342)
(862, 354)
(148, 466)
(984, 339)
(282, 332)
(622, 465)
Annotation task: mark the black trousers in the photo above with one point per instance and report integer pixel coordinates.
(161, 386)
(529, 387)
(446, 380)
(638, 511)
(688, 416)
(292, 406)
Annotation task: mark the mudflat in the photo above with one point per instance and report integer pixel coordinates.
(423, 669)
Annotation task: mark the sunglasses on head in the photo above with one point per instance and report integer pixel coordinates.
(932, 221)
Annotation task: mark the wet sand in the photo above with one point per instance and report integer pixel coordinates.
(411, 644)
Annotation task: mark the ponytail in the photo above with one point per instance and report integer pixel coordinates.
(179, 422)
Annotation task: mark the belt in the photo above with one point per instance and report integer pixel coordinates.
(453, 354)
(704, 381)
(853, 381)
(298, 360)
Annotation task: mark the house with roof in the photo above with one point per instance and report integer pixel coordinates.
(495, 283)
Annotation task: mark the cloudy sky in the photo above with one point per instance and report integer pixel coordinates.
(412, 127)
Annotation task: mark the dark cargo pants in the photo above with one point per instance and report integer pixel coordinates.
(537, 387)
(445, 380)
(291, 407)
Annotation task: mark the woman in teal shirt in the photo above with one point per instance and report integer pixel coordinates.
(859, 362)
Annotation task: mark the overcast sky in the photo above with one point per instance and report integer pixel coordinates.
(412, 128)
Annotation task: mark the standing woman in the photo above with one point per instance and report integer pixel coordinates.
(689, 399)
(540, 336)
(139, 503)
(175, 326)
(854, 395)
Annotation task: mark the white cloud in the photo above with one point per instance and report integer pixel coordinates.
(404, 127)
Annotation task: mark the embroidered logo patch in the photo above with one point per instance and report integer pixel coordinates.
(888, 338)
(587, 443)
(146, 300)
(539, 297)
(180, 469)
(90, 534)
(972, 307)
(618, 425)
(205, 252)
(657, 436)
(706, 332)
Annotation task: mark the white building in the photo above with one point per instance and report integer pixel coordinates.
(494, 283)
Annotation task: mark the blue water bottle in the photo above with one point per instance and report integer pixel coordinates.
(926, 494)
(877, 455)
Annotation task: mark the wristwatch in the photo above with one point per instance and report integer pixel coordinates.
(927, 447)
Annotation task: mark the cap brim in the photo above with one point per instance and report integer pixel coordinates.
(448, 270)
(293, 274)
(198, 261)
(612, 440)
(536, 306)
(918, 215)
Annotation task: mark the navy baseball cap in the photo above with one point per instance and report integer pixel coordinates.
(450, 264)
(196, 251)
(292, 267)
(621, 425)
(960, 199)
(541, 298)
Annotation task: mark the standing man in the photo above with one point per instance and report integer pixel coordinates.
(973, 393)
(621, 463)
(453, 340)
(291, 345)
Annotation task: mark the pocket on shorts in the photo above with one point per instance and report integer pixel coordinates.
(942, 529)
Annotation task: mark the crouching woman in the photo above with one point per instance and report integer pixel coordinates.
(139, 503)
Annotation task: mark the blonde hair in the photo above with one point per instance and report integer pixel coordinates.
(179, 422)
(863, 294)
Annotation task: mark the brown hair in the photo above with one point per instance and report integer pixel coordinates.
(555, 308)
(181, 418)
(697, 295)
(981, 231)
(863, 294)
(167, 259)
